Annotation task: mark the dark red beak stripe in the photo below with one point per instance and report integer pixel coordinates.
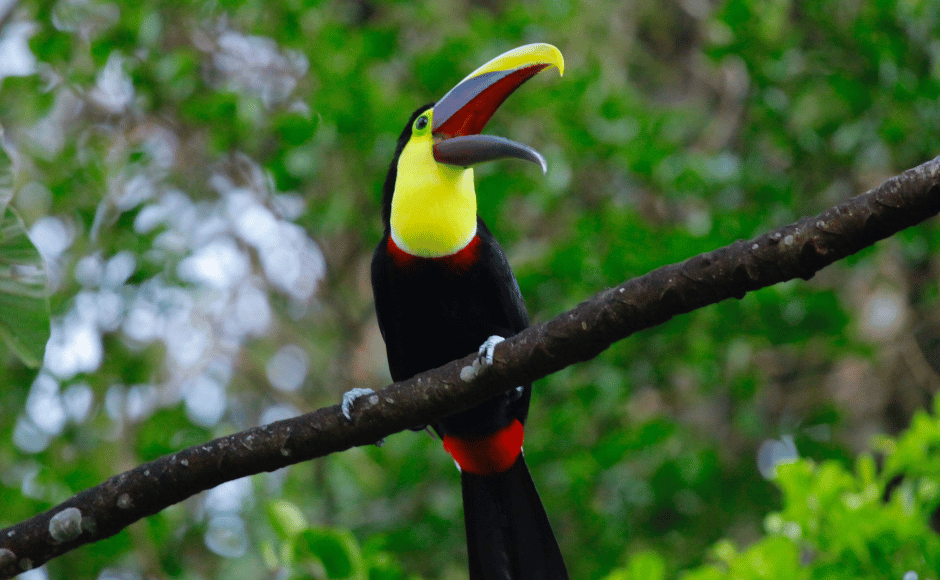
(467, 108)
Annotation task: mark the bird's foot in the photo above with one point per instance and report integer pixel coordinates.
(485, 355)
(349, 399)
(484, 358)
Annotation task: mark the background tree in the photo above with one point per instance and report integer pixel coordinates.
(203, 181)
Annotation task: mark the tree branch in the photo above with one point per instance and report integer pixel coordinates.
(795, 251)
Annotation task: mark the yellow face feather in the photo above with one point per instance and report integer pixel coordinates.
(434, 206)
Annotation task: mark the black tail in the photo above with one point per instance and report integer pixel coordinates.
(508, 534)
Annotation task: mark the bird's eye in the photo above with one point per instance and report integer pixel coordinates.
(421, 123)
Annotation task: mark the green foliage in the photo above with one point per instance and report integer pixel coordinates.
(642, 566)
(24, 303)
(836, 523)
(314, 553)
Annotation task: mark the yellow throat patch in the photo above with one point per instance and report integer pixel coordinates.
(434, 206)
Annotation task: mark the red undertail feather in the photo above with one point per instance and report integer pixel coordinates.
(487, 455)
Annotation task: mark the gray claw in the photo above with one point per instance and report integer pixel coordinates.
(486, 349)
(349, 398)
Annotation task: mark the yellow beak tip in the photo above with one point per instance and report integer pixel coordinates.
(558, 60)
(529, 54)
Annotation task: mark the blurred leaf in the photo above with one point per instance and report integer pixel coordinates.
(168, 431)
(287, 519)
(383, 567)
(24, 298)
(336, 550)
(643, 566)
(6, 174)
(647, 566)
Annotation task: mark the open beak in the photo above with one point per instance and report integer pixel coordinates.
(463, 112)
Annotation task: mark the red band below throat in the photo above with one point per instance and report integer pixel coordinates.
(487, 455)
(459, 262)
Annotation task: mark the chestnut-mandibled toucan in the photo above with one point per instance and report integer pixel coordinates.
(443, 286)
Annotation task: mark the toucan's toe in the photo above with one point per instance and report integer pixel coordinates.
(349, 399)
(486, 349)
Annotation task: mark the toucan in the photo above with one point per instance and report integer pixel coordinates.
(443, 288)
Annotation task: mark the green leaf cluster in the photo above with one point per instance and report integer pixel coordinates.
(24, 303)
(837, 523)
(321, 553)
